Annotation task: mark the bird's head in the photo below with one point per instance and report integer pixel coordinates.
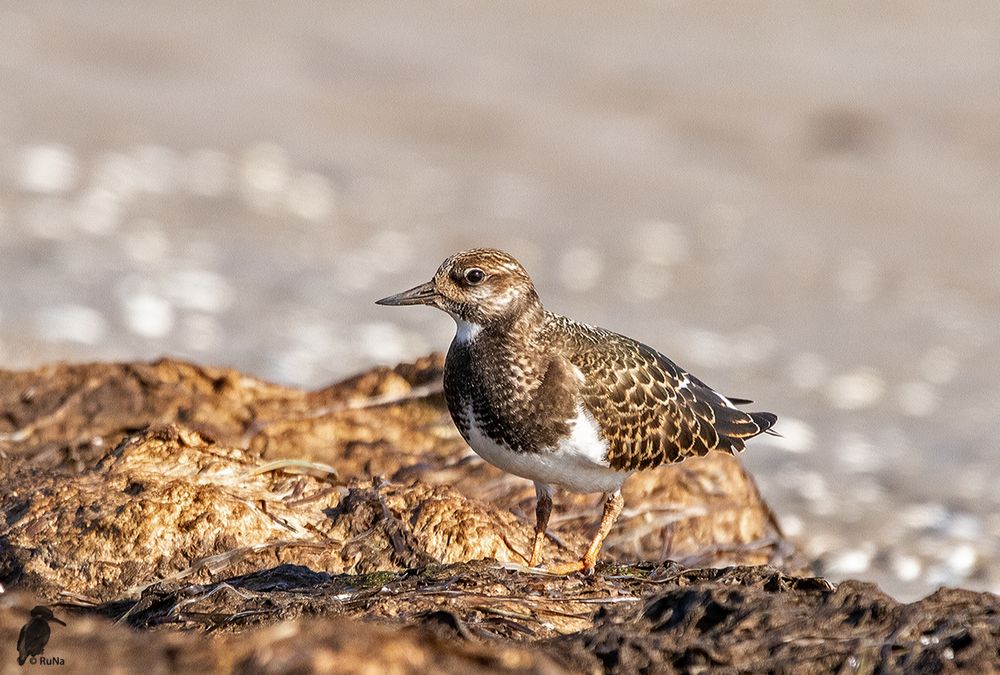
(43, 612)
(480, 287)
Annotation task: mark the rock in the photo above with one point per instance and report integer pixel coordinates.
(351, 528)
(403, 489)
(168, 503)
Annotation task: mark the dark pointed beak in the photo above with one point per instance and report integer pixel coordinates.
(58, 620)
(424, 294)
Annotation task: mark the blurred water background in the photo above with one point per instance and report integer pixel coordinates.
(800, 202)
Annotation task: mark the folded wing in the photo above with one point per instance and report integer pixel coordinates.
(652, 411)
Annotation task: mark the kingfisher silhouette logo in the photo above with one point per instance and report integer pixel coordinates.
(34, 636)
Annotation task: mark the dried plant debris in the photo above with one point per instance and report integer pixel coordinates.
(90, 643)
(351, 528)
(758, 620)
(486, 599)
(481, 616)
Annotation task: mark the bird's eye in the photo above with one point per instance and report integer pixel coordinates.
(474, 275)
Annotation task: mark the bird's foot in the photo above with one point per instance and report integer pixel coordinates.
(536, 551)
(571, 567)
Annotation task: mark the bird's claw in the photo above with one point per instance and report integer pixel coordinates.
(571, 568)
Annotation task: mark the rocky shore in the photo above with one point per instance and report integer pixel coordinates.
(182, 518)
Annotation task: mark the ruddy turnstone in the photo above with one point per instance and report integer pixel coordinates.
(562, 403)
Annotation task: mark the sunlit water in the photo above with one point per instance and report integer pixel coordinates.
(800, 208)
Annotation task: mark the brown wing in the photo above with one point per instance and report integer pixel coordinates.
(653, 412)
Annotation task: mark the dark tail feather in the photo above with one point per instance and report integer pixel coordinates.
(765, 421)
(739, 401)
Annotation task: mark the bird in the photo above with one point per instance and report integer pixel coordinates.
(35, 634)
(565, 404)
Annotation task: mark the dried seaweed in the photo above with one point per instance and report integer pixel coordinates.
(282, 539)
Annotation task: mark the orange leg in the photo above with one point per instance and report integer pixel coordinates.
(612, 509)
(543, 507)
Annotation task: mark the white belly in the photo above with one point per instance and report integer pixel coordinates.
(578, 463)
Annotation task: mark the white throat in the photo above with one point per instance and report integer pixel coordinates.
(466, 331)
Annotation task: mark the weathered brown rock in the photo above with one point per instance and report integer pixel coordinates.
(169, 504)
(66, 416)
(171, 496)
(406, 489)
